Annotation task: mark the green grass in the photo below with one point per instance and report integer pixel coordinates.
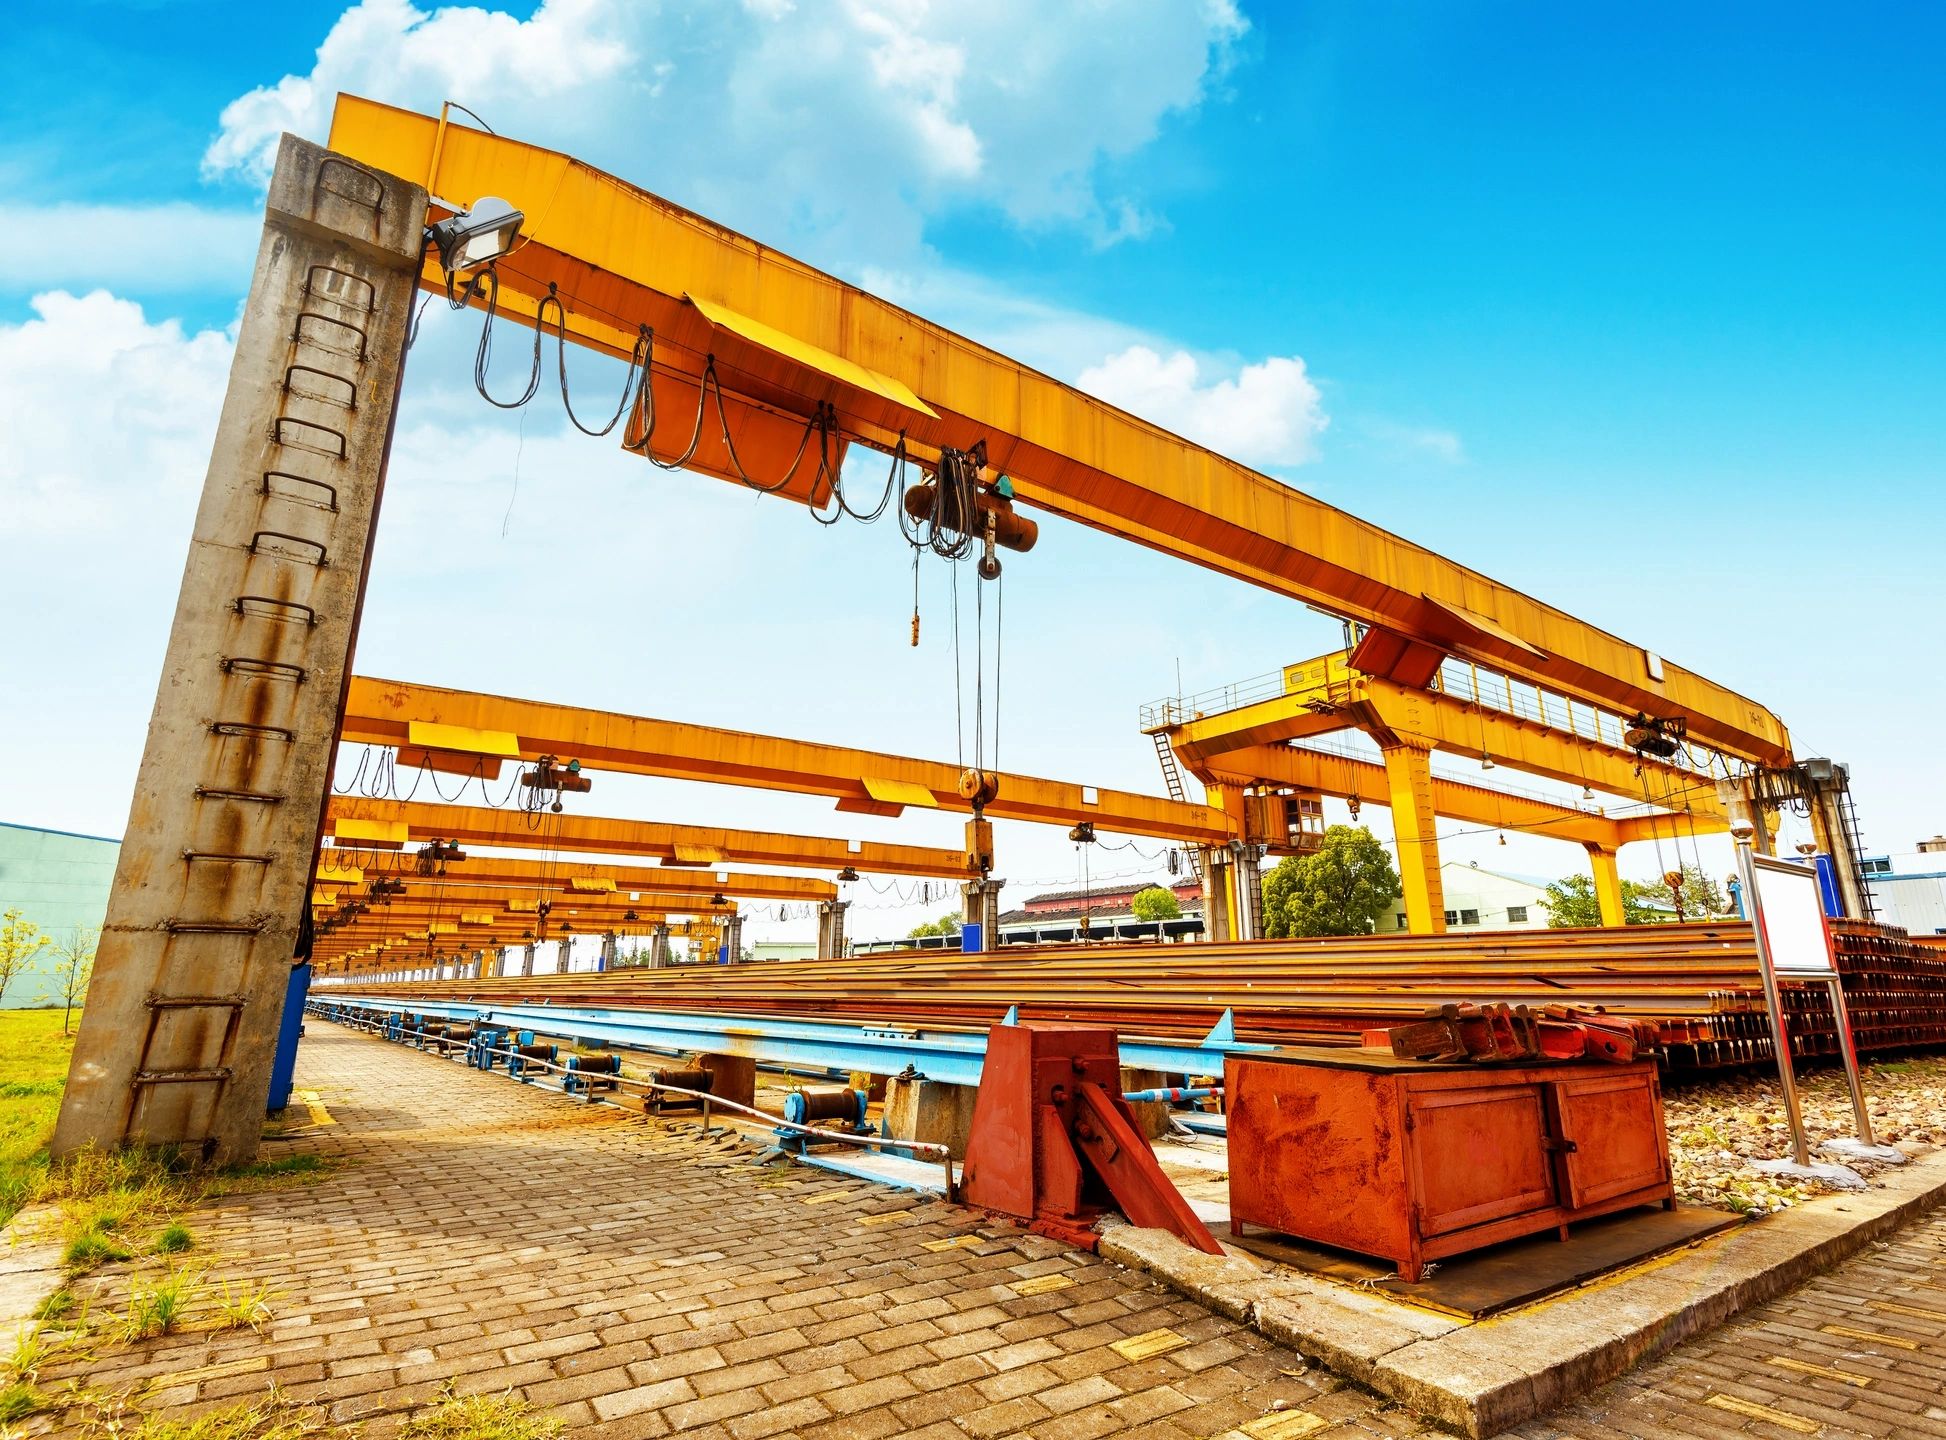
(18, 1401)
(174, 1239)
(91, 1248)
(478, 1417)
(281, 1168)
(156, 1307)
(33, 1070)
(270, 1418)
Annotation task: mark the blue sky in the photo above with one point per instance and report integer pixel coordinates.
(1641, 310)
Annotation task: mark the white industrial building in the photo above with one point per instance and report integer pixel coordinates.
(1910, 890)
(1480, 899)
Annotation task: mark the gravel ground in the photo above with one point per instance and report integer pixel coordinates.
(1716, 1127)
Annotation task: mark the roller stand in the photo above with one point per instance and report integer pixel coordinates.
(1054, 1144)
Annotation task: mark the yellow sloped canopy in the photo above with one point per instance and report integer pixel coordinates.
(591, 884)
(899, 792)
(372, 832)
(463, 738)
(695, 855)
(805, 353)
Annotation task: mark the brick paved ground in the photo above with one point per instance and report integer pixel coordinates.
(1858, 1352)
(643, 1280)
(646, 1281)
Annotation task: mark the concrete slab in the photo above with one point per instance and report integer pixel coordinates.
(1482, 1377)
(30, 1267)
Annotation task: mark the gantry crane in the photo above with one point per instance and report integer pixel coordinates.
(768, 361)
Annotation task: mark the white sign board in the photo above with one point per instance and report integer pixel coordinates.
(1792, 913)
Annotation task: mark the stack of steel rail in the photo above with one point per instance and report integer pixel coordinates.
(1699, 982)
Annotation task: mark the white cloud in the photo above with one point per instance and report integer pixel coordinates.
(838, 128)
(170, 247)
(1414, 442)
(1269, 414)
(107, 416)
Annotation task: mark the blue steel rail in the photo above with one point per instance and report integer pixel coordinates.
(943, 1053)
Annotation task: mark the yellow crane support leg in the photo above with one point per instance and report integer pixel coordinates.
(1608, 885)
(1408, 768)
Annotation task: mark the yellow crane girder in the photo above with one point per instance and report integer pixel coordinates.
(492, 868)
(421, 718)
(786, 339)
(703, 847)
(1348, 699)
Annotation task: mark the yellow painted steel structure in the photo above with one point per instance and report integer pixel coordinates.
(394, 712)
(786, 340)
(700, 846)
(1245, 746)
(354, 867)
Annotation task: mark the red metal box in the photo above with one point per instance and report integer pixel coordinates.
(1414, 1162)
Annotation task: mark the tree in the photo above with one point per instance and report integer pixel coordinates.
(1341, 889)
(74, 966)
(20, 941)
(944, 925)
(1700, 895)
(1572, 903)
(1155, 903)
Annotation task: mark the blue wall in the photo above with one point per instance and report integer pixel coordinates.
(57, 881)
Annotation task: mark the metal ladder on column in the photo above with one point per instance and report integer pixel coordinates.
(1172, 779)
(1848, 817)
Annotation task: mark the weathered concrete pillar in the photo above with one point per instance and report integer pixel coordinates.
(659, 945)
(1218, 899)
(733, 937)
(181, 1022)
(1248, 878)
(527, 960)
(831, 928)
(610, 948)
(564, 962)
(980, 905)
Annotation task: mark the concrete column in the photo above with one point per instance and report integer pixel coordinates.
(609, 951)
(1608, 885)
(980, 905)
(733, 936)
(659, 946)
(1247, 878)
(527, 960)
(181, 1022)
(1218, 899)
(831, 928)
(564, 960)
(1409, 774)
(1829, 783)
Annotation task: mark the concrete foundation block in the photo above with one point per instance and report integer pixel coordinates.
(930, 1111)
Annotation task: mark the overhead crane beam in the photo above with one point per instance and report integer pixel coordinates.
(1344, 777)
(704, 847)
(497, 869)
(409, 716)
(787, 338)
(1392, 712)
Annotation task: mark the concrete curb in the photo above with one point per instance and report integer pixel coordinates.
(30, 1268)
(1483, 1377)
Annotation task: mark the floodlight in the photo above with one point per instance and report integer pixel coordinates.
(478, 236)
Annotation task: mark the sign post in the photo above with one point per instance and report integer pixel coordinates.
(1794, 943)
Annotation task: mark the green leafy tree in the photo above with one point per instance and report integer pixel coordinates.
(74, 966)
(944, 925)
(1342, 889)
(1572, 903)
(1155, 903)
(1701, 896)
(20, 941)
